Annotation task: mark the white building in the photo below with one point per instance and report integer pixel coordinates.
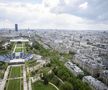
(94, 83)
(104, 76)
(74, 69)
(19, 40)
(88, 64)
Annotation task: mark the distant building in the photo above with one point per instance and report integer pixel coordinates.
(16, 27)
(21, 39)
(88, 64)
(94, 83)
(74, 69)
(104, 76)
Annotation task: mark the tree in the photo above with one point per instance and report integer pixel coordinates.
(66, 86)
(45, 80)
(72, 53)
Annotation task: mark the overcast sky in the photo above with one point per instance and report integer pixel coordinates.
(55, 14)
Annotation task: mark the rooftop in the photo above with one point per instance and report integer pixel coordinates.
(95, 83)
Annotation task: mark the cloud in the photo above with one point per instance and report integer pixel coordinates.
(83, 6)
(50, 3)
(21, 1)
(89, 9)
(55, 14)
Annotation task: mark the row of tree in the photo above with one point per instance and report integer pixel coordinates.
(70, 81)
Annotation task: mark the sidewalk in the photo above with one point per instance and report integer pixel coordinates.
(5, 78)
(30, 88)
(24, 78)
(54, 85)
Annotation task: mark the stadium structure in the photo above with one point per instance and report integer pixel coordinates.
(18, 53)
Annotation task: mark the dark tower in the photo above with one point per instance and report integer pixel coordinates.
(16, 27)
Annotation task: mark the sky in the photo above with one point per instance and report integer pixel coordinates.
(55, 14)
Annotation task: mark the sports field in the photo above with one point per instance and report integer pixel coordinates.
(15, 72)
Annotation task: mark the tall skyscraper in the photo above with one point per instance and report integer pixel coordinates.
(16, 27)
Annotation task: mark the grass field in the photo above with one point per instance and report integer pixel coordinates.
(44, 70)
(2, 52)
(15, 72)
(31, 63)
(14, 84)
(19, 44)
(40, 86)
(18, 49)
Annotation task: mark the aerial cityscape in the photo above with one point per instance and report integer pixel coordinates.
(53, 45)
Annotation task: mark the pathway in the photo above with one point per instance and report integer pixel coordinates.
(59, 79)
(54, 85)
(24, 78)
(14, 48)
(5, 78)
(30, 87)
(15, 78)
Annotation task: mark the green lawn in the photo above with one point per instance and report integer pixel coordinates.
(2, 52)
(14, 85)
(19, 44)
(44, 70)
(18, 49)
(15, 72)
(1, 74)
(31, 63)
(22, 47)
(40, 86)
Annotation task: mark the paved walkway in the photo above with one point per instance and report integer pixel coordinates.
(15, 78)
(16, 65)
(14, 48)
(59, 79)
(17, 47)
(5, 78)
(24, 78)
(30, 87)
(23, 47)
(54, 85)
